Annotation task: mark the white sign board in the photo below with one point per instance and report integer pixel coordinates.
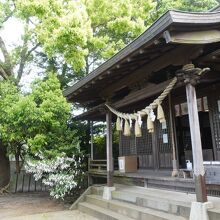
(164, 125)
(165, 138)
(121, 164)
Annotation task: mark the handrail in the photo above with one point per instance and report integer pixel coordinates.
(99, 165)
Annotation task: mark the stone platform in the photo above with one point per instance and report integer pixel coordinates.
(132, 202)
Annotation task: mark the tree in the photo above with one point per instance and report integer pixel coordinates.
(114, 24)
(185, 5)
(16, 62)
(76, 36)
(20, 55)
(35, 128)
(8, 94)
(36, 123)
(62, 28)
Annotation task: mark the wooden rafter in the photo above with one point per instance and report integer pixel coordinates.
(174, 57)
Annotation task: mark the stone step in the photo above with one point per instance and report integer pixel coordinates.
(153, 202)
(162, 200)
(173, 202)
(100, 213)
(97, 189)
(131, 210)
(158, 194)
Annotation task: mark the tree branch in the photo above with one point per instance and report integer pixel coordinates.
(32, 49)
(22, 62)
(24, 56)
(7, 17)
(7, 67)
(2, 73)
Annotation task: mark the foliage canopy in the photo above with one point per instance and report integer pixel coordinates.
(74, 37)
(38, 122)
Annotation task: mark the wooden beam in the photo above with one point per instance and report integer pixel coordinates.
(193, 37)
(110, 168)
(142, 94)
(178, 56)
(209, 57)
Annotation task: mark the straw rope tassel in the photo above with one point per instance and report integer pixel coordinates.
(127, 131)
(118, 124)
(160, 113)
(155, 104)
(150, 125)
(137, 129)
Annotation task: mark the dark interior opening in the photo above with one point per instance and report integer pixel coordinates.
(184, 138)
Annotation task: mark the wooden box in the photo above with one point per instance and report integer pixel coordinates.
(127, 164)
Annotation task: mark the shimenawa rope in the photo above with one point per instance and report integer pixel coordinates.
(148, 110)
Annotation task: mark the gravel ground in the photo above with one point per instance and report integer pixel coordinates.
(64, 215)
(36, 206)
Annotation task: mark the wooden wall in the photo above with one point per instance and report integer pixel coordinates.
(164, 149)
(213, 98)
(151, 150)
(144, 148)
(24, 182)
(151, 154)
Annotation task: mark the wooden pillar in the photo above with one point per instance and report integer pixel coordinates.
(109, 149)
(190, 76)
(91, 140)
(174, 150)
(199, 172)
(155, 149)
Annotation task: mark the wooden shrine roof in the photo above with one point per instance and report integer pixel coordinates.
(174, 34)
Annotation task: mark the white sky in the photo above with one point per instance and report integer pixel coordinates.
(12, 31)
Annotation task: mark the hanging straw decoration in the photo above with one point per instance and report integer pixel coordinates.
(118, 124)
(139, 120)
(160, 113)
(150, 124)
(127, 130)
(148, 110)
(137, 129)
(130, 122)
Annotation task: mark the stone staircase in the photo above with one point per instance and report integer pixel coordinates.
(130, 202)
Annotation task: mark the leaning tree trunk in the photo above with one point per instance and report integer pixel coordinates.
(4, 167)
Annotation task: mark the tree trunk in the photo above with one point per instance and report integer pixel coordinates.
(4, 166)
(17, 159)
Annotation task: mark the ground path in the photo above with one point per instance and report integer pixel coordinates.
(36, 206)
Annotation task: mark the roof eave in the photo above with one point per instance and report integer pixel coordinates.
(170, 18)
(156, 28)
